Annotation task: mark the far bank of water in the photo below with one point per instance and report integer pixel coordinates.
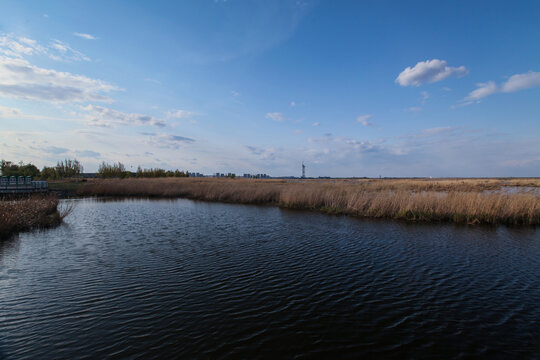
(178, 278)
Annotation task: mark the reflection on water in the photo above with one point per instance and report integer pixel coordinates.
(162, 279)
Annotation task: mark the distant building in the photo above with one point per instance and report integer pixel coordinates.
(256, 176)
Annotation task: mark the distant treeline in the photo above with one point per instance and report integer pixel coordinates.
(118, 170)
(63, 169)
(73, 168)
(155, 173)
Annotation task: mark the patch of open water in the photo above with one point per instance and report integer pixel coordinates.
(177, 278)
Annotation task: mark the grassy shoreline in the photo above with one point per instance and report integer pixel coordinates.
(473, 201)
(28, 213)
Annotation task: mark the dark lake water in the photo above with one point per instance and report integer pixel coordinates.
(182, 279)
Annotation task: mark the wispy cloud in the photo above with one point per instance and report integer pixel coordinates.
(428, 71)
(19, 47)
(482, 90)
(426, 133)
(414, 109)
(64, 52)
(293, 104)
(263, 153)
(105, 117)
(55, 150)
(521, 82)
(87, 154)
(276, 116)
(168, 141)
(153, 81)
(7, 112)
(179, 114)
(321, 139)
(514, 83)
(85, 36)
(316, 124)
(425, 96)
(364, 120)
(19, 79)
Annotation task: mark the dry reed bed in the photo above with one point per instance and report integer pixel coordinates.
(24, 214)
(462, 201)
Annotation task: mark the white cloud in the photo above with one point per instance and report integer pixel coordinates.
(521, 82)
(431, 132)
(6, 112)
(360, 146)
(85, 36)
(293, 104)
(363, 119)
(168, 141)
(87, 154)
(179, 114)
(322, 139)
(415, 109)
(19, 79)
(276, 116)
(18, 47)
(316, 124)
(428, 71)
(438, 130)
(516, 82)
(13, 46)
(55, 150)
(59, 46)
(483, 90)
(64, 52)
(264, 154)
(105, 117)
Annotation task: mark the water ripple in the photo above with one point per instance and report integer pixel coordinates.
(167, 279)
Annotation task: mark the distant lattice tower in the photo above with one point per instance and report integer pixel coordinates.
(303, 170)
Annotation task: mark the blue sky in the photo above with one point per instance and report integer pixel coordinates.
(352, 88)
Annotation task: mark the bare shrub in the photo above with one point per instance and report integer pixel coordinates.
(27, 213)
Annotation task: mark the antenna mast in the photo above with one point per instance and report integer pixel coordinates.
(303, 170)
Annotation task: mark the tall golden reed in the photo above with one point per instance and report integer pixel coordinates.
(465, 201)
(23, 214)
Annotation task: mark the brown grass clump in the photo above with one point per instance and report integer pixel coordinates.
(32, 212)
(457, 200)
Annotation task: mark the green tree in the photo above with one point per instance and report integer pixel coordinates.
(118, 170)
(63, 169)
(9, 168)
(50, 173)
